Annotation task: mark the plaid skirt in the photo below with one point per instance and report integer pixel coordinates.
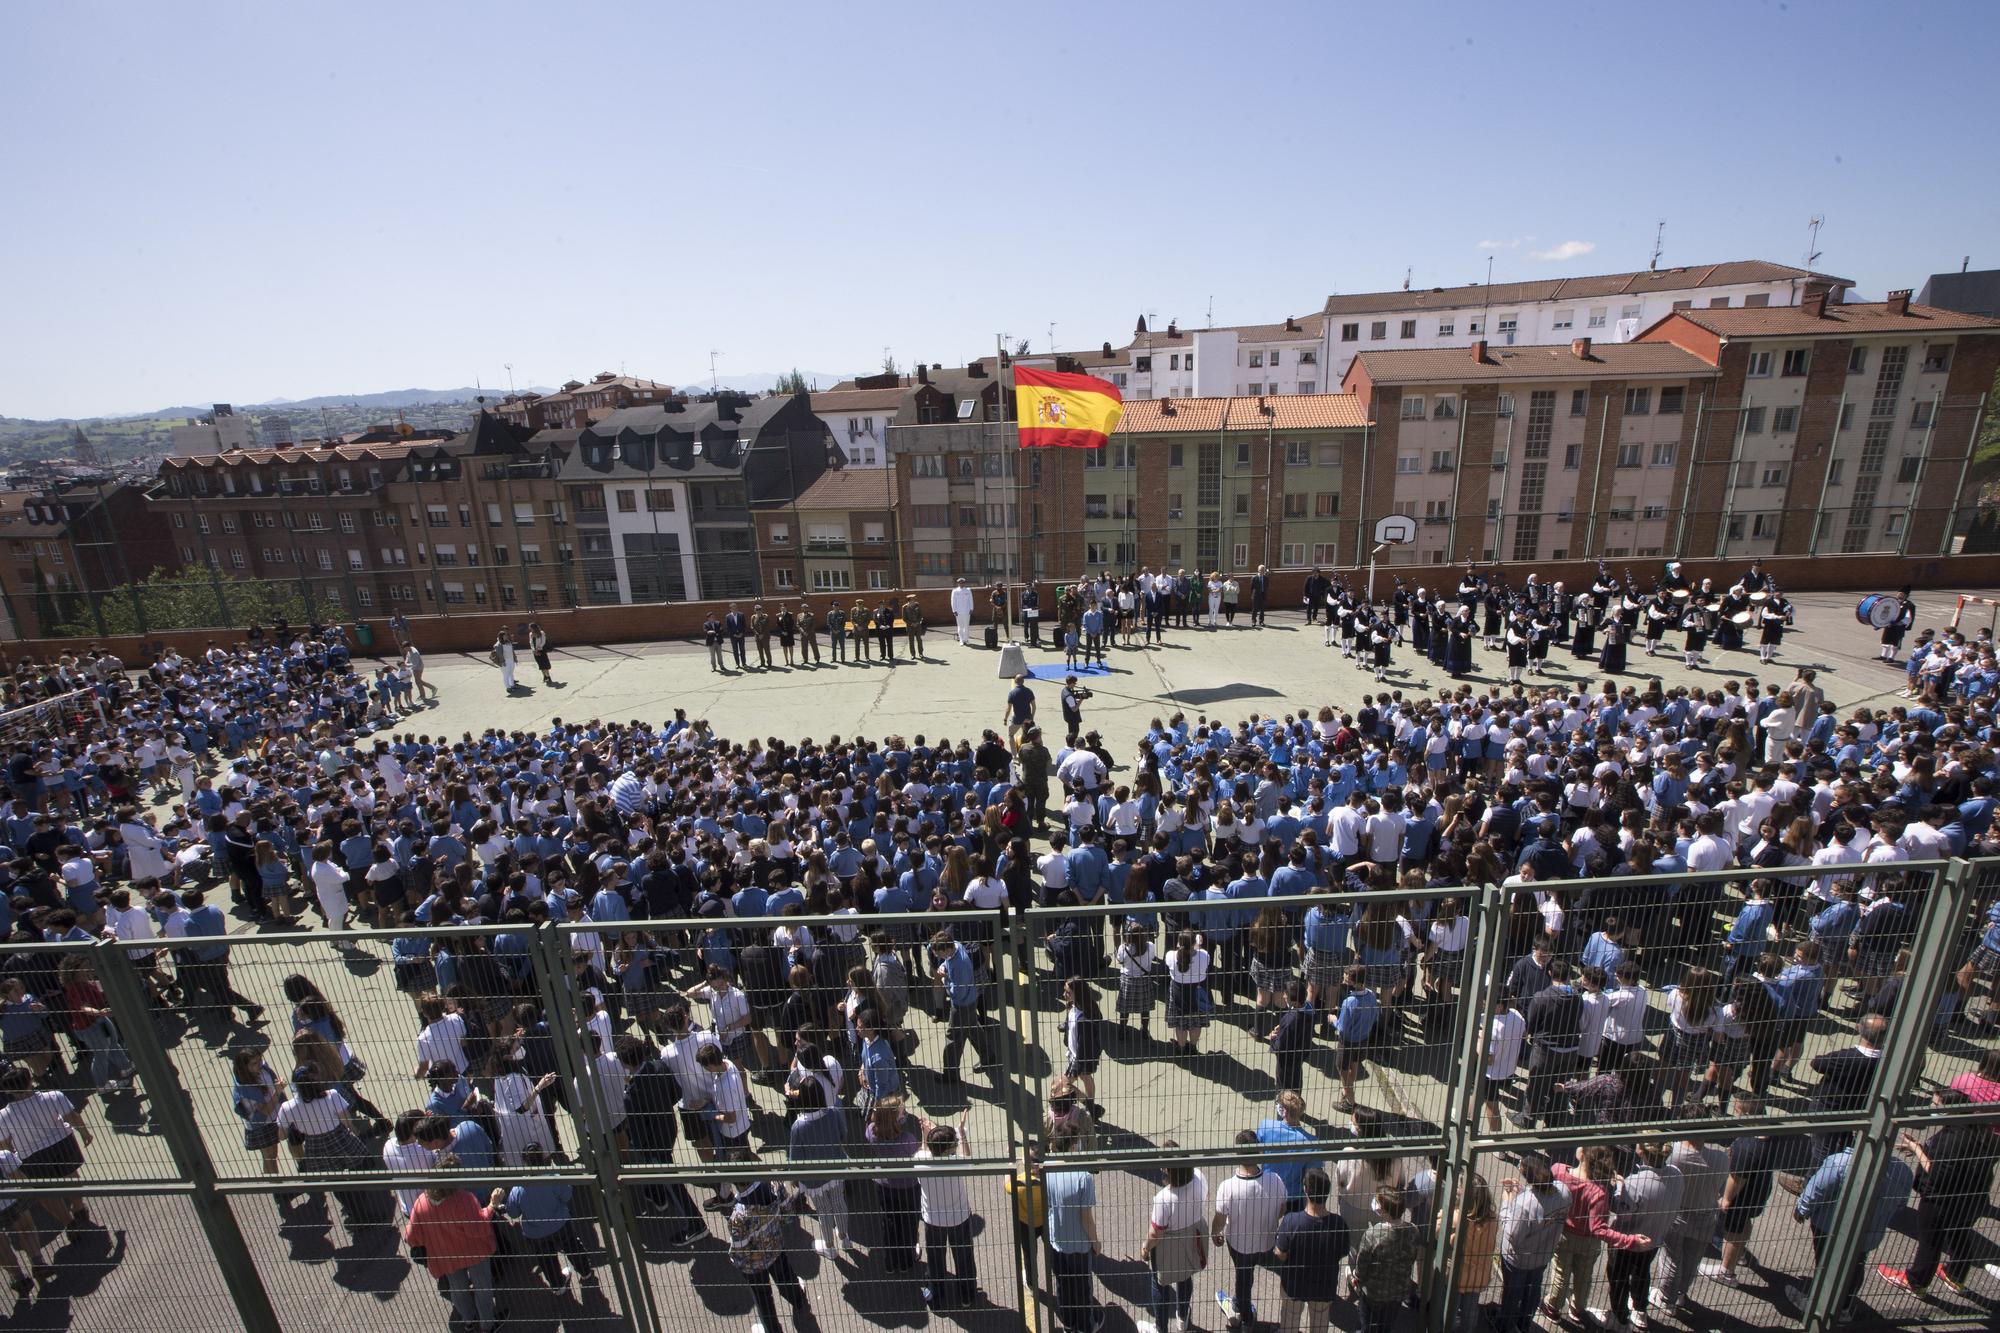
(1270, 976)
(1136, 994)
(1184, 1008)
(1323, 966)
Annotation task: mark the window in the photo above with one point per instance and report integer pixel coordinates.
(1638, 402)
(1784, 420)
(346, 520)
(325, 559)
(1292, 554)
(1174, 361)
(1796, 361)
(1846, 416)
(878, 578)
(874, 534)
(1446, 407)
(236, 559)
(1937, 357)
(1298, 454)
(1326, 504)
(1409, 463)
(1443, 460)
(967, 406)
(1174, 455)
(783, 577)
(1753, 421)
(1187, 362)
(1274, 357)
(1329, 455)
(1093, 458)
(1242, 504)
(830, 580)
(1122, 455)
(1664, 452)
(1628, 312)
(1772, 475)
(1857, 361)
(1256, 359)
(1447, 327)
(927, 465)
(1596, 320)
(1565, 319)
(1174, 506)
(932, 516)
(1672, 398)
(1142, 365)
(1572, 457)
(1350, 333)
(1759, 365)
(1295, 506)
(465, 516)
(1308, 357)
(1413, 408)
(1475, 326)
(1503, 405)
(1764, 525)
(1833, 471)
(1506, 328)
(1437, 511)
(1894, 526)
(531, 554)
(1653, 511)
(781, 534)
(1908, 470)
(229, 522)
(1243, 454)
(1240, 554)
(628, 502)
(659, 501)
(1757, 299)
(1254, 389)
(1579, 402)
(966, 466)
(1920, 413)
(1409, 328)
(1378, 330)
(1628, 455)
(1096, 553)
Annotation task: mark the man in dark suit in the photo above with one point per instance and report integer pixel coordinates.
(1845, 1077)
(737, 626)
(1315, 595)
(1260, 592)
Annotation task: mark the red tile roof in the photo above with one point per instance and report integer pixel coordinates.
(857, 400)
(1839, 321)
(1454, 365)
(1303, 411)
(1731, 273)
(851, 488)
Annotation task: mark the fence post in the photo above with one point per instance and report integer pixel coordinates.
(174, 1114)
(1013, 942)
(594, 1143)
(1479, 983)
(1932, 962)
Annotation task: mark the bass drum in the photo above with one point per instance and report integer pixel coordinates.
(1878, 610)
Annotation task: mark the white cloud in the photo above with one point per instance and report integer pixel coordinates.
(1500, 245)
(1567, 250)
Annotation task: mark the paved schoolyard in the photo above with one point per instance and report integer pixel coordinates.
(319, 1280)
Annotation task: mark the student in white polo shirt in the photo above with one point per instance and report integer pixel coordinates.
(1247, 1208)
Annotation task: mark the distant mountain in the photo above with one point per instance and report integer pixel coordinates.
(388, 398)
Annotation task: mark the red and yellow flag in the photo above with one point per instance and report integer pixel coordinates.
(1057, 408)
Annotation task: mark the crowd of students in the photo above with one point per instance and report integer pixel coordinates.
(278, 774)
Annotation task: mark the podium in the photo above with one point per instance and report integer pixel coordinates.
(1013, 660)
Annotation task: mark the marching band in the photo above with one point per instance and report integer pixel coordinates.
(1524, 623)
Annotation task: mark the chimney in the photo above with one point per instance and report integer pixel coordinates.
(1167, 408)
(1580, 348)
(1899, 302)
(1141, 326)
(1815, 305)
(1107, 349)
(1291, 325)
(975, 370)
(1479, 350)
(923, 373)
(1173, 329)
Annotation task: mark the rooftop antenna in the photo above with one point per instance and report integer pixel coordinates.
(1211, 311)
(1965, 263)
(1812, 239)
(712, 354)
(510, 376)
(1052, 339)
(1486, 309)
(1406, 278)
(1659, 236)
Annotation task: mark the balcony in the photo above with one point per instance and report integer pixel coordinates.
(826, 546)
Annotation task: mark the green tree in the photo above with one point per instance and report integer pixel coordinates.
(889, 366)
(189, 599)
(792, 383)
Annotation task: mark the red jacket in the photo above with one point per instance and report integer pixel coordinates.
(1590, 1211)
(454, 1232)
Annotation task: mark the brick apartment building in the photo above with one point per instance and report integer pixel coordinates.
(1834, 428)
(1532, 453)
(839, 536)
(577, 404)
(60, 542)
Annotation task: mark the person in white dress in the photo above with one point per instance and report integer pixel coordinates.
(961, 611)
(503, 654)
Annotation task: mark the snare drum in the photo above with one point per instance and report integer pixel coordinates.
(1878, 610)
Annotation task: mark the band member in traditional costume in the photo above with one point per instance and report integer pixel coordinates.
(1611, 660)
(1383, 636)
(1584, 645)
(1459, 660)
(1517, 649)
(1661, 614)
(1772, 617)
(1893, 632)
(1728, 629)
(1699, 618)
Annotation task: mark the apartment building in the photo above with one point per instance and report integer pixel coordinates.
(1532, 453)
(61, 543)
(859, 421)
(663, 496)
(1835, 428)
(839, 536)
(577, 404)
(1225, 484)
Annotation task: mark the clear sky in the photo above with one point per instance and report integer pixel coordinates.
(210, 201)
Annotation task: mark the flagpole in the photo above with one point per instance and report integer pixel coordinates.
(1011, 470)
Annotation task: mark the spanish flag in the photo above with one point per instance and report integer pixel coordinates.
(1057, 408)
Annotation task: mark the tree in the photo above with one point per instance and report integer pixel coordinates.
(889, 366)
(792, 383)
(189, 599)
(1021, 347)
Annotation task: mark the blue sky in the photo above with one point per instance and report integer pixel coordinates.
(238, 202)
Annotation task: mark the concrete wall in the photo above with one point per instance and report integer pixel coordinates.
(1860, 574)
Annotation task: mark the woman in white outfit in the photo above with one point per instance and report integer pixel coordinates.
(330, 886)
(1214, 600)
(503, 653)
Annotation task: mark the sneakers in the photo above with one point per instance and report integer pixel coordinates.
(1231, 1319)
(819, 1247)
(1796, 1294)
(1658, 1298)
(1604, 1319)
(1943, 1280)
(1713, 1270)
(1899, 1277)
(1148, 1326)
(689, 1237)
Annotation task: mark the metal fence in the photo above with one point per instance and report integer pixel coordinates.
(194, 1219)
